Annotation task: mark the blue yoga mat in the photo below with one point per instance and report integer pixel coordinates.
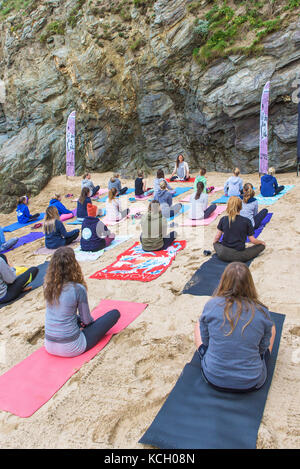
(29, 238)
(17, 225)
(183, 209)
(221, 200)
(37, 282)
(196, 416)
(206, 279)
(104, 199)
(271, 200)
(181, 190)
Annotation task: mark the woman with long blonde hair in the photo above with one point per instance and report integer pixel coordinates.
(66, 333)
(250, 206)
(234, 229)
(235, 334)
(56, 234)
(113, 207)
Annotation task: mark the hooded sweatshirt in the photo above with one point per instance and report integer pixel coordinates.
(156, 185)
(250, 209)
(233, 186)
(268, 185)
(60, 207)
(154, 229)
(23, 213)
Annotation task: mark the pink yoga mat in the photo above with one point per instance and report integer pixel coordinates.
(32, 382)
(187, 198)
(206, 221)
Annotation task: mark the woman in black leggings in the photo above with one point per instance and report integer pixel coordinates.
(11, 285)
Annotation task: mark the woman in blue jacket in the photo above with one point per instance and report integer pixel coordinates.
(56, 202)
(55, 233)
(269, 185)
(23, 213)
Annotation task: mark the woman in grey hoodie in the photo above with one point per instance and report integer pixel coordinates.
(250, 206)
(234, 185)
(164, 197)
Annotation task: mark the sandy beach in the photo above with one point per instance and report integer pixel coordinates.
(112, 400)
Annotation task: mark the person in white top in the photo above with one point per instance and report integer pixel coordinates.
(181, 170)
(199, 204)
(114, 211)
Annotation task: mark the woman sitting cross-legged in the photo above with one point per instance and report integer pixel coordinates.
(113, 207)
(11, 285)
(199, 204)
(95, 235)
(164, 197)
(235, 334)
(235, 230)
(66, 333)
(250, 206)
(56, 234)
(154, 235)
(56, 202)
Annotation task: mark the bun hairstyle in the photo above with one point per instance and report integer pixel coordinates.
(236, 172)
(112, 194)
(202, 171)
(163, 185)
(160, 174)
(57, 196)
(200, 188)
(234, 206)
(140, 173)
(248, 192)
(271, 171)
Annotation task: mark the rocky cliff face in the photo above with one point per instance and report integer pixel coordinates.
(127, 69)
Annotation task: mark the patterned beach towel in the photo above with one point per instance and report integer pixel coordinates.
(137, 264)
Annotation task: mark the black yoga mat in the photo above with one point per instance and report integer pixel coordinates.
(196, 416)
(206, 279)
(37, 282)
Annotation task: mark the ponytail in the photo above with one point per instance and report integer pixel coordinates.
(234, 207)
(200, 188)
(248, 192)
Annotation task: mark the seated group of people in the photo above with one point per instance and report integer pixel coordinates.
(234, 319)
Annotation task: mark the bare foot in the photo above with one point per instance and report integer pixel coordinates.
(27, 288)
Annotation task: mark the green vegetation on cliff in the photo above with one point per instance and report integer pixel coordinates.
(237, 27)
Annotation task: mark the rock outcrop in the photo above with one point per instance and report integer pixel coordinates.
(140, 97)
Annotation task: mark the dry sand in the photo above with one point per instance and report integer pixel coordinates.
(113, 399)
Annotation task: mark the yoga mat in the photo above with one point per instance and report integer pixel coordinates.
(136, 264)
(187, 198)
(181, 190)
(29, 238)
(83, 256)
(271, 200)
(104, 199)
(206, 279)
(78, 222)
(178, 180)
(17, 225)
(188, 222)
(221, 200)
(32, 382)
(183, 209)
(134, 209)
(43, 251)
(67, 216)
(196, 416)
(37, 282)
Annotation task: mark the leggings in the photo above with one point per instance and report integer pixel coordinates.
(208, 211)
(123, 191)
(15, 289)
(279, 189)
(170, 212)
(259, 217)
(72, 235)
(34, 217)
(232, 255)
(95, 331)
(95, 190)
(176, 177)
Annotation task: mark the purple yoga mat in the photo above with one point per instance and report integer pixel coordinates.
(259, 229)
(26, 239)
